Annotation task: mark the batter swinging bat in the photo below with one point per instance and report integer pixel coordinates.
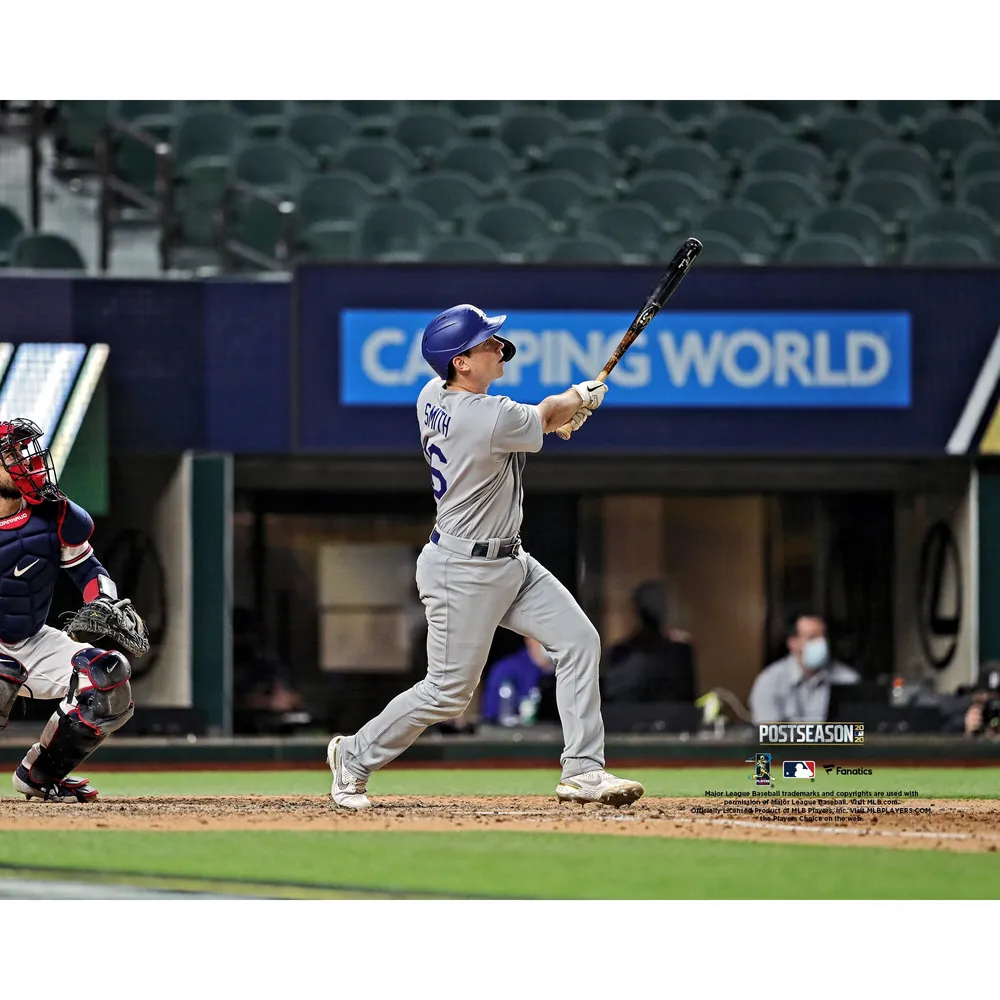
(666, 287)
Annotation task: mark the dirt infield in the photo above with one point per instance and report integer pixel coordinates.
(941, 824)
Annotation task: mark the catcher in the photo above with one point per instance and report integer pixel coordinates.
(40, 531)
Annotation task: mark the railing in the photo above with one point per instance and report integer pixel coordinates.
(240, 195)
(27, 121)
(115, 190)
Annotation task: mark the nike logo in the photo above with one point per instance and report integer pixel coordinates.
(21, 570)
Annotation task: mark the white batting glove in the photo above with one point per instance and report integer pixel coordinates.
(591, 393)
(580, 418)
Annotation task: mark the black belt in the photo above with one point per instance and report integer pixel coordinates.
(481, 550)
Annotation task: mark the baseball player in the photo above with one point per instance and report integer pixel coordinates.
(41, 532)
(473, 574)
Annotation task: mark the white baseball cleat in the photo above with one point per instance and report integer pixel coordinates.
(598, 786)
(346, 791)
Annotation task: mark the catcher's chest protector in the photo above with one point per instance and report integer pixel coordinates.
(30, 551)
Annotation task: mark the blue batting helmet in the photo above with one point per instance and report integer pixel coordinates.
(456, 330)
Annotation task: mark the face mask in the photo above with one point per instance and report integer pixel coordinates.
(815, 653)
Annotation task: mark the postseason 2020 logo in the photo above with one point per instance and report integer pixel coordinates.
(811, 734)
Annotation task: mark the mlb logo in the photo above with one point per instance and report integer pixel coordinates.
(799, 768)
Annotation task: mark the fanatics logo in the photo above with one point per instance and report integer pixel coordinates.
(15, 520)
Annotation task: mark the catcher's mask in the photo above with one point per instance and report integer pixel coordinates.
(30, 467)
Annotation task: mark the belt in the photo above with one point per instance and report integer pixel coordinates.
(495, 548)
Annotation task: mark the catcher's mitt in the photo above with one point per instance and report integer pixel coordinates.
(109, 624)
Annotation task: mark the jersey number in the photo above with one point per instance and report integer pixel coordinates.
(438, 483)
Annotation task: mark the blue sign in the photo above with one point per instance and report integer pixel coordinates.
(696, 359)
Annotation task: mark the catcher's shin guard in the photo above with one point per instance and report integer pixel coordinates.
(12, 675)
(83, 720)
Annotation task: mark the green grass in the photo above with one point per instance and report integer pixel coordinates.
(516, 864)
(929, 782)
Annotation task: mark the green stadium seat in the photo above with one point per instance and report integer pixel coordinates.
(982, 192)
(374, 117)
(686, 156)
(634, 226)
(46, 252)
(893, 197)
(488, 161)
(858, 222)
(825, 250)
(129, 111)
(947, 134)
(450, 195)
(320, 133)
(208, 133)
(803, 113)
(514, 226)
(739, 132)
(11, 227)
(134, 160)
(718, 249)
(77, 127)
(590, 249)
(982, 157)
(262, 226)
(841, 134)
(329, 241)
(397, 228)
(675, 196)
(527, 133)
(585, 117)
(991, 112)
(790, 157)
(197, 218)
(748, 224)
(944, 250)
(589, 159)
(692, 117)
(384, 162)
(456, 249)
(785, 197)
(275, 164)
(906, 114)
(426, 133)
(264, 119)
(632, 133)
(954, 220)
(561, 194)
(479, 117)
(897, 157)
(339, 196)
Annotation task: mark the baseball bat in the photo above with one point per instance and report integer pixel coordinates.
(665, 287)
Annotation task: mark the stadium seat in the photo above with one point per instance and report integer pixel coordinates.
(264, 119)
(329, 241)
(479, 117)
(803, 113)
(374, 117)
(336, 197)
(384, 162)
(692, 117)
(632, 133)
(686, 156)
(953, 220)
(748, 224)
(527, 133)
(134, 160)
(590, 249)
(982, 192)
(78, 125)
(942, 250)
(893, 197)
(455, 249)
(514, 226)
(447, 193)
(635, 227)
(396, 227)
(426, 133)
(560, 193)
(275, 164)
(585, 117)
(739, 132)
(825, 250)
(897, 157)
(589, 159)
(719, 249)
(947, 134)
(47, 252)
(488, 161)
(857, 222)
(203, 134)
(991, 112)
(790, 157)
(261, 226)
(903, 114)
(675, 196)
(841, 134)
(982, 157)
(11, 227)
(785, 197)
(320, 133)
(129, 111)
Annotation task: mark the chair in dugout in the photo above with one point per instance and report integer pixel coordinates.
(858, 222)
(11, 227)
(462, 249)
(892, 156)
(397, 228)
(46, 251)
(426, 133)
(983, 192)
(384, 162)
(514, 225)
(947, 250)
(320, 133)
(449, 194)
(631, 133)
(893, 197)
(264, 119)
(687, 156)
(374, 118)
(829, 249)
(591, 249)
(487, 160)
(947, 134)
(276, 164)
(589, 159)
(634, 226)
(748, 224)
(561, 194)
(790, 157)
(719, 248)
(677, 197)
(527, 133)
(785, 197)
(737, 133)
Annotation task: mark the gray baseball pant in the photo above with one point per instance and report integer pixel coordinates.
(465, 599)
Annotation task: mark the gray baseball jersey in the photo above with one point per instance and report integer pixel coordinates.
(475, 445)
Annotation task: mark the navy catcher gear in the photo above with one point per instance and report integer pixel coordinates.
(13, 674)
(455, 331)
(30, 466)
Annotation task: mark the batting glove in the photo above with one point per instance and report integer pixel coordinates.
(580, 418)
(591, 393)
